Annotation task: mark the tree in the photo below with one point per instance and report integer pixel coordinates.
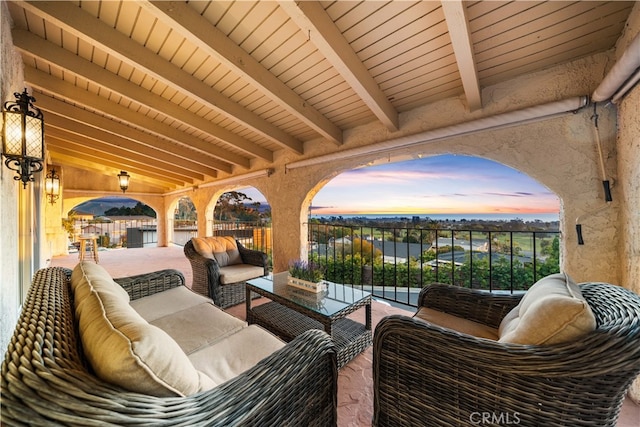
(68, 223)
(231, 206)
(185, 210)
(138, 209)
(366, 250)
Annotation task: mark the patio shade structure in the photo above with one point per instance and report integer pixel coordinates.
(189, 93)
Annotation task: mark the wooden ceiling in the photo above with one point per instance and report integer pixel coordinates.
(181, 93)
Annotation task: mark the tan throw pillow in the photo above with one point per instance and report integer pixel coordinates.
(221, 248)
(203, 247)
(225, 250)
(124, 349)
(552, 311)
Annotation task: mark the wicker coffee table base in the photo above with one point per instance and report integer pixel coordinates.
(351, 338)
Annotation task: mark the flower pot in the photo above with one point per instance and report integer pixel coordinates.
(306, 285)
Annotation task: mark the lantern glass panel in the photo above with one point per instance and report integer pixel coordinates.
(12, 141)
(33, 137)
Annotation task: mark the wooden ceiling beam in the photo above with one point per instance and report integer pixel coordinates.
(207, 37)
(311, 17)
(83, 122)
(67, 145)
(65, 157)
(460, 34)
(96, 138)
(73, 19)
(60, 88)
(43, 50)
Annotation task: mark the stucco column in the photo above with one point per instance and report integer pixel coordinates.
(289, 235)
(163, 226)
(287, 194)
(56, 236)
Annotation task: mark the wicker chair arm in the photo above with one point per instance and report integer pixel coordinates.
(295, 386)
(253, 257)
(480, 306)
(142, 285)
(205, 274)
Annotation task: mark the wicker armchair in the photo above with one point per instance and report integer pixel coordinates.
(425, 375)
(206, 275)
(46, 379)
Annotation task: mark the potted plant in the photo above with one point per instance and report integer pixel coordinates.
(306, 275)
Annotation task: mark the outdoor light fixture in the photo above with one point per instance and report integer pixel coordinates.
(23, 137)
(123, 180)
(52, 185)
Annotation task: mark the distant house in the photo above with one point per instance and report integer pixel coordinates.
(476, 245)
(131, 219)
(83, 216)
(93, 229)
(339, 241)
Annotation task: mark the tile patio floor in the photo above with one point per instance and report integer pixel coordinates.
(355, 385)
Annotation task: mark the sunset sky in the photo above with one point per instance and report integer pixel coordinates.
(448, 184)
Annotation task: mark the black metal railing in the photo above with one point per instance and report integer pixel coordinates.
(252, 235)
(392, 263)
(131, 233)
(395, 263)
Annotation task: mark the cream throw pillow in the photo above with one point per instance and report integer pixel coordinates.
(552, 311)
(221, 248)
(124, 349)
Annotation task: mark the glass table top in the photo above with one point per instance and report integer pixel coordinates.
(334, 299)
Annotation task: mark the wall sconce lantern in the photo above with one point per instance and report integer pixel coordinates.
(123, 180)
(52, 185)
(23, 137)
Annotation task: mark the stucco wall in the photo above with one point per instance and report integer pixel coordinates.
(629, 183)
(11, 79)
(560, 153)
(628, 147)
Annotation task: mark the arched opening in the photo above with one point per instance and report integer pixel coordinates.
(117, 222)
(183, 222)
(452, 187)
(463, 220)
(242, 212)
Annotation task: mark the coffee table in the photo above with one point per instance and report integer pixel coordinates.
(292, 311)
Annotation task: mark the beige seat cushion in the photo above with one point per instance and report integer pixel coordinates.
(552, 311)
(464, 326)
(221, 248)
(236, 353)
(239, 273)
(199, 326)
(122, 347)
(167, 302)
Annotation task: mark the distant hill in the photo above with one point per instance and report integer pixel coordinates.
(99, 206)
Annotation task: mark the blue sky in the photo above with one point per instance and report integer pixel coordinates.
(447, 184)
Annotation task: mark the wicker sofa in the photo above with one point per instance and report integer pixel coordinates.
(221, 265)
(47, 377)
(431, 375)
